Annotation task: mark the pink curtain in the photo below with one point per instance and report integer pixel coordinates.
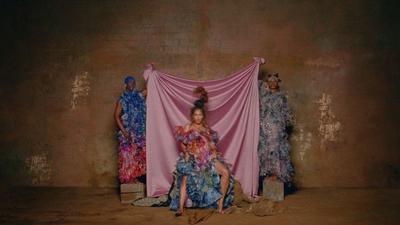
(232, 110)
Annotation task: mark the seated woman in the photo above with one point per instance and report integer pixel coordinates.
(203, 180)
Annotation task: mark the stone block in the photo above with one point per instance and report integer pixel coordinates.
(132, 188)
(127, 198)
(273, 190)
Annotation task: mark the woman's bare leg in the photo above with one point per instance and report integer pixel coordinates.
(182, 196)
(224, 173)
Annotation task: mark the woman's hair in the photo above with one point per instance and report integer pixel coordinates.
(199, 104)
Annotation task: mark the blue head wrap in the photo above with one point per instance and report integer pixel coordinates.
(129, 78)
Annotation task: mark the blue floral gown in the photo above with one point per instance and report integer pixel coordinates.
(274, 147)
(203, 181)
(132, 150)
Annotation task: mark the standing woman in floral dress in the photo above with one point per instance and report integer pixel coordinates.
(130, 115)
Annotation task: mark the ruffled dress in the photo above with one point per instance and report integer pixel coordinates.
(203, 181)
(132, 150)
(274, 148)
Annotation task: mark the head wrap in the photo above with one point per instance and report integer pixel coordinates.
(129, 78)
(199, 103)
(273, 77)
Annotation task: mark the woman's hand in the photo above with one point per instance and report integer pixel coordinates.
(125, 133)
(183, 147)
(214, 152)
(212, 145)
(214, 155)
(186, 156)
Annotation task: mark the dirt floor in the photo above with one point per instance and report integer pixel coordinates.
(328, 206)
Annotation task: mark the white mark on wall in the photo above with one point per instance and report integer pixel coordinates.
(325, 62)
(80, 88)
(39, 168)
(329, 126)
(304, 140)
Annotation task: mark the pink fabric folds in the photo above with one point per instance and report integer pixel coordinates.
(232, 111)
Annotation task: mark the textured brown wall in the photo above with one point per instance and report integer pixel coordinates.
(62, 65)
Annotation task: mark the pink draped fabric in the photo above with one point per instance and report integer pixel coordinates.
(232, 111)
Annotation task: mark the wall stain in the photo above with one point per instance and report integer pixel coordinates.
(304, 140)
(329, 62)
(329, 126)
(39, 168)
(80, 88)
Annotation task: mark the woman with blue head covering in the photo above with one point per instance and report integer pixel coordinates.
(130, 115)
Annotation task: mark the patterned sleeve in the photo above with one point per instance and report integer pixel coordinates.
(260, 84)
(214, 136)
(180, 135)
(261, 88)
(288, 115)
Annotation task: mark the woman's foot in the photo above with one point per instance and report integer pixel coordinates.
(226, 211)
(255, 198)
(220, 207)
(179, 212)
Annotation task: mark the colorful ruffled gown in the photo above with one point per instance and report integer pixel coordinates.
(132, 150)
(203, 181)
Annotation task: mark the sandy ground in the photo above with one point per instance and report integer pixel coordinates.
(328, 206)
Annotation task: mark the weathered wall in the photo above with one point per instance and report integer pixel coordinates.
(62, 64)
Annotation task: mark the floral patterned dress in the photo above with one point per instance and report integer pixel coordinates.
(203, 181)
(132, 150)
(274, 147)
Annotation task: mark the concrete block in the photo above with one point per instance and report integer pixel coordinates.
(273, 190)
(127, 198)
(132, 188)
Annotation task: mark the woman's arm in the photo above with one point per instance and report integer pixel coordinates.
(183, 148)
(144, 91)
(117, 113)
(182, 139)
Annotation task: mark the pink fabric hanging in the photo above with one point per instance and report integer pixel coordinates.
(232, 110)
